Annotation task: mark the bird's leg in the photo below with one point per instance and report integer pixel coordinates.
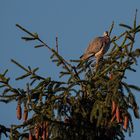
(98, 57)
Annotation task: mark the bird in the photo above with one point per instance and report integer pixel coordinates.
(97, 48)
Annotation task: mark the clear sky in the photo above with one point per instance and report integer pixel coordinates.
(75, 22)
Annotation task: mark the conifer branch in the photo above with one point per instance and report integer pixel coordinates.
(89, 103)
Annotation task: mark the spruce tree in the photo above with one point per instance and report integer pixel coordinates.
(89, 104)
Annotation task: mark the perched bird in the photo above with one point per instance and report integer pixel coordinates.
(97, 47)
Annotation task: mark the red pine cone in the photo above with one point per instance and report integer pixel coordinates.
(36, 130)
(113, 107)
(19, 111)
(118, 114)
(126, 120)
(30, 136)
(25, 114)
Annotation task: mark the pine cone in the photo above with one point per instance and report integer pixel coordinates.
(19, 111)
(126, 120)
(25, 114)
(118, 114)
(30, 136)
(113, 107)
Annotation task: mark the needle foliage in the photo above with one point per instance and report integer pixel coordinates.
(91, 104)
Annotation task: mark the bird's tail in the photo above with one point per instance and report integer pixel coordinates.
(84, 57)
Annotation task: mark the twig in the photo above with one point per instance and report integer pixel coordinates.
(57, 44)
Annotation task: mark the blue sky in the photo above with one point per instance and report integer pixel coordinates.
(75, 22)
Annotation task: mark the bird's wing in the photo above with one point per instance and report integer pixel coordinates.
(95, 46)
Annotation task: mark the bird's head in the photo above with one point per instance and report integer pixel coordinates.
(106, 34)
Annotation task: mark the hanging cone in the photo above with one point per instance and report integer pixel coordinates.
(25, 114)
(30, 136)
(47, 130)
(44, 131)
(113, 107)
(112, 119)
(118, 114)
(126, 120)
(19, 111)
(36, 131)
